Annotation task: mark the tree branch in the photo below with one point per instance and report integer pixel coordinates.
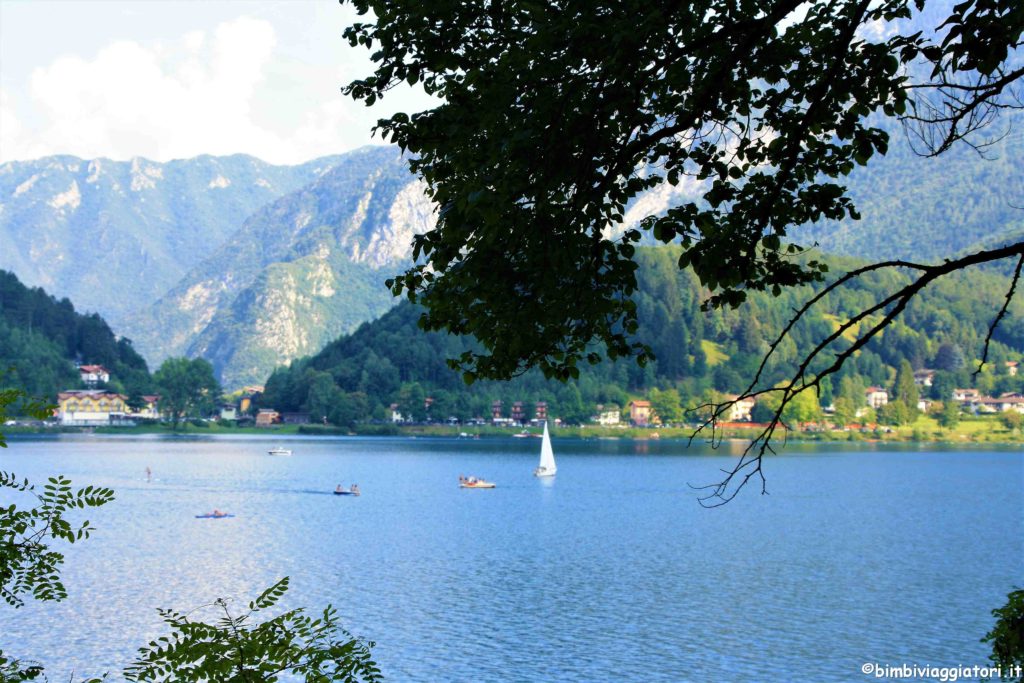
(749, 464)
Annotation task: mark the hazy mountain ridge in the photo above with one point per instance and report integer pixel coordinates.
(928, 209)
(299, 272)
(114, 235)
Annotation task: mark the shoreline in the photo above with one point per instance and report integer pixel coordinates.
(983, 430)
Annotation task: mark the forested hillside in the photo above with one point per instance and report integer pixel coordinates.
(392, 361)
(41, 337)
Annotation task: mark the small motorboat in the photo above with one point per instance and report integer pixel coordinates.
(474, 483)
(279, 450)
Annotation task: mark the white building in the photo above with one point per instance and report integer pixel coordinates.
(924, 378)
(1003, 404)
(608, 416)
(740, 411)
(966, 395)
(876, 397)
(93, 374)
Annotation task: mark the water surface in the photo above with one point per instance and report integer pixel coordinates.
(610, 571)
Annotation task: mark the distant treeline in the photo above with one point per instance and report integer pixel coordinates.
(41, 337)
(391, 361)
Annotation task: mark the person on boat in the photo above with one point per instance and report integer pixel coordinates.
(354, 489)
(218, 513)
(462, 479)
(149, 474)
(338, 489)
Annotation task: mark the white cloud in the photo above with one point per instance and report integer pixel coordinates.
(229, 90)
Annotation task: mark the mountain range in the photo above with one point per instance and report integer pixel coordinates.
(115, 235)
(251, 265)
(233, 259)
(299, 272)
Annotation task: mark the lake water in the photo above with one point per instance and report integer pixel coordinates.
(611, 571)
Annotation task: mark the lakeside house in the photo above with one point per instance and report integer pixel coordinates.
(966, 395)
(92, 375)
(91, 408)
(1002, 404)
(267, 417)
(740, 411)
(1012, 367)
(640, 413)
(608, 415)
(228, 412)
(876, 397)
(150, 410)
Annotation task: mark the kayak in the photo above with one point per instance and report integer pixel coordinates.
(212, 516)
(345, 493)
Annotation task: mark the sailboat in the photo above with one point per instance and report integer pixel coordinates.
(546, 467)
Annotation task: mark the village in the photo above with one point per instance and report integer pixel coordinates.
(93, 405)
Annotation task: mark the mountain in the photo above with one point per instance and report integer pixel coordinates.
(41, 337)
(929, 209)
(391, 360)
(298, 272)
(115, 235)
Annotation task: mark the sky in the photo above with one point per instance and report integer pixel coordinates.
(171, 79)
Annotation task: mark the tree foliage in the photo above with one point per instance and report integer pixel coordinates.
(1007, 637)
(188, 388)
(766, 108)
(233, 649)
(27, 564)
(763, 107)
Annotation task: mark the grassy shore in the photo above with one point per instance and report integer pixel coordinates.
(985, 429)
(981, 429)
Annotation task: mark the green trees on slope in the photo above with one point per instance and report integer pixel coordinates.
(40, 336)
(392, 361)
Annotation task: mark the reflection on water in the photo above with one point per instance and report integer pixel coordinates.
(608, 571)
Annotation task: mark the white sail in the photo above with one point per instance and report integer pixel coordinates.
(546, 467)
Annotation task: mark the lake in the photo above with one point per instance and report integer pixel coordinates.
(610, 571)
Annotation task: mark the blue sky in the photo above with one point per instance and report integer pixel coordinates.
(167, 79)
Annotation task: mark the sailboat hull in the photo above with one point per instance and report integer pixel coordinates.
(541, 472)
